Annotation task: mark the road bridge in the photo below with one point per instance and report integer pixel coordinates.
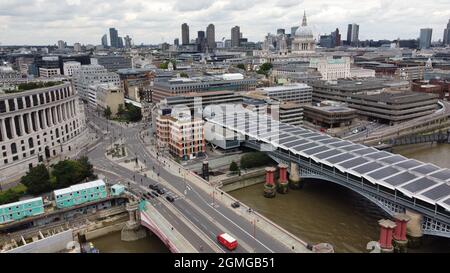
(393, 182)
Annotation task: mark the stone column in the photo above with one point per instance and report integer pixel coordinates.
(29, 123)
(2, 130)
(294, 178)
(414, 228)
(132, 230)
(283, 180)
(21, 126)
(386, 231)
(400, 240)
(13, 128)
(269, 186)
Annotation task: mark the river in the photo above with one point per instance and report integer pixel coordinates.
(320, 212)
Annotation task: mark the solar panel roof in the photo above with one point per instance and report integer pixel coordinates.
(368, 167)
(384, 172)
(419, 184)
(438, 192)
(401, 178)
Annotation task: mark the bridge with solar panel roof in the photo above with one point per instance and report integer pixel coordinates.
(393, 182)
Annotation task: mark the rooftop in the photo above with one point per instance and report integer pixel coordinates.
(402, 97)
(79, 187)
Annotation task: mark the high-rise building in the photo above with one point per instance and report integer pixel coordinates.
(235, 36)
(337, 37)
(176, 42)
(105, 40)
(127, 42)
(77, 47)
(446, 40)
(281, 31)
(425, 38)
(184, 34)
(353, 34)
(114, 37)
(211, 36)
(120, 45)
(201, 41)
(61, 45)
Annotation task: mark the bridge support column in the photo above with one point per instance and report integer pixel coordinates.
(283, 180)
(386, 231)
(294, 178)
(269, 186)
(400, 240)
(132, 231)
(414, 229)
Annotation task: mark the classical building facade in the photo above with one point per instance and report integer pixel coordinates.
(38, 125)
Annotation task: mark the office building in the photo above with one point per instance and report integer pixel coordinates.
(329, 116)
(70, 67)
(105, 41)
(211, 37)
(77, 47)
(299, 93)
(184, 34)
(201, 41)
(235, 36)
(127, 42)
(79, 194)
(61, 45)
(39, 124)
(114, 37)
(89, 75)
(181, 86)
(108, 95)
(281, 31)
(425, 38)
(120, 39)
(112, 62)
(446, 40)
(176, 42)
(353, 35)
(332, 68)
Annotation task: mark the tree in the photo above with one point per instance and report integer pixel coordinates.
(67, 173)
(87, 168)
(107, 113)
(12, 195)
(254, 159)
(120, 110)
(241, 66)
(264, 68)
(164, 65)
(234, 167)
(184, 75)
(37, 180)
(133, 113)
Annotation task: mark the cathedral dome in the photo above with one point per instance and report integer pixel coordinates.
(304, 31)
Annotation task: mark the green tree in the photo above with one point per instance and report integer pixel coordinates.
(120, 110)
(37, 180)
(255, 159)
(133, 113)
(241, 66)
(264, 68)
(67, 173)
(184, 75)
(164, 65)
(234, 167)
(87, 168)
(12, 195)
(107, 112)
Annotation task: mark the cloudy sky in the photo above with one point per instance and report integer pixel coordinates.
(45, 22)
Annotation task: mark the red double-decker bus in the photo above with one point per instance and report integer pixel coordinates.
(227, 241)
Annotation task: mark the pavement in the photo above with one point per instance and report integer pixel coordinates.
(197, 200)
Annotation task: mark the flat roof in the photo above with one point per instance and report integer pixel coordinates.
(80, 187)
(402, 97)
(18, 203)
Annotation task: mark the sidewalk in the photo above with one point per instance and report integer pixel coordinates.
(261, 222)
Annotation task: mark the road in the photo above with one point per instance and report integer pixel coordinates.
(195, 204)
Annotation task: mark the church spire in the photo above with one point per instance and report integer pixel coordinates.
(304, 24)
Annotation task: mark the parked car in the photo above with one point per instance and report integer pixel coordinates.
(152, 186)
(170, 198)
(155, 193)
(235, 205)
(160, 191)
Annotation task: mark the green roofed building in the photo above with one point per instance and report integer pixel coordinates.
(80, 193)
(19, 210)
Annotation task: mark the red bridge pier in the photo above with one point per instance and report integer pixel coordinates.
(283, 183)
(400, 239)
(386, 232)
(269, 186)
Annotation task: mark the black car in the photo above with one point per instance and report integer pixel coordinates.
(160, 191)
(170, 198)
(235, 205)
(153, 187)
(155, 193)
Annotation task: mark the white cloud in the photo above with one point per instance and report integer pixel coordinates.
(85, 21)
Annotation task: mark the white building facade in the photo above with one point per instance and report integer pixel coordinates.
(332, 68)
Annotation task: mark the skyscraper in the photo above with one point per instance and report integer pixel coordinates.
(176, 42)
(446, 40)
(211, 36)
(77, 47)
(337, 37)
(235, 36)
(201, 41)
(127, 42)
(184, 34)
(353, 34)
(425, 38)
(120, 44)
(105, 40)
(114, 37)
(61, 44)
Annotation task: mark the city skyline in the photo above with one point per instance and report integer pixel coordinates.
(85, 22)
